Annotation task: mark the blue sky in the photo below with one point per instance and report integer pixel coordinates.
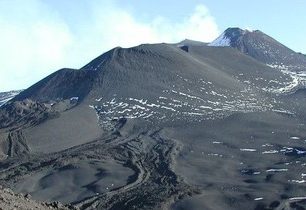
(40, 36)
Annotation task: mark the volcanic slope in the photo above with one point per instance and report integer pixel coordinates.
(267, 50)
(261, 47)
(113, 134)
(159, 83)
(6, 96)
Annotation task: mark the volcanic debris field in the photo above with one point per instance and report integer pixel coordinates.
(163, 126)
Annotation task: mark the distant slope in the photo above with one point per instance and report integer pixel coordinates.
(261, 47)
(188, 42)
(160, 83)
(62, 84)
(6, 96)
(161, 126)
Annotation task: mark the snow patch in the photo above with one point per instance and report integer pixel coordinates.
(248, 150)
(297, 198)
(74, 98)
(270, 152)
(99, 99)
(221, 41)
(298, 181)
(277, 170)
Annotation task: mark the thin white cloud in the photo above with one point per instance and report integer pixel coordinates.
(199, 26)
(35, 40)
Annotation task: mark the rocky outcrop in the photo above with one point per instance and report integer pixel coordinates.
(10, 200)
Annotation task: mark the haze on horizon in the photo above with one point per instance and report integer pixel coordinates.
(38, 37)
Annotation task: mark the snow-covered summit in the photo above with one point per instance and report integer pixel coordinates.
(260, 46)
(221, 41)
(6, 96)
(229, 36)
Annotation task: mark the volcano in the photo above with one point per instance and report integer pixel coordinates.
(164, 126)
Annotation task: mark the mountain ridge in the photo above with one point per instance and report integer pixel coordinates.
(163, 126)
(261, 47)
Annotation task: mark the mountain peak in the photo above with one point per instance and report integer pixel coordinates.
(229, 36)
(259, 46)
(236, 30)
(189, 42)
(239, 31)
(233, 35)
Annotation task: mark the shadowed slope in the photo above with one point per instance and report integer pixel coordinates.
(261, 47)
(155, 127)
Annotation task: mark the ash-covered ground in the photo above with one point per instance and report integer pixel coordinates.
(164, 126)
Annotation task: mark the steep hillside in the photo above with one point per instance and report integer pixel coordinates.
(164, 126)
(6, 96)
(261, 47)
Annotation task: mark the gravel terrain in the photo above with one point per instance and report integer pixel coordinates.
(13, 201)
(162, 126)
